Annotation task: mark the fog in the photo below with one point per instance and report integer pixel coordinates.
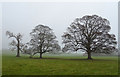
(23, 17)
(0, 27)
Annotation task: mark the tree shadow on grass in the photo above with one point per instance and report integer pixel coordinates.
(74, 59)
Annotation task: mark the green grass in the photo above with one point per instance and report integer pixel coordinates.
(64, 65)
(0, 64)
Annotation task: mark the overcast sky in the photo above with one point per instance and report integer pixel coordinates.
(0, 27)
(23, 17)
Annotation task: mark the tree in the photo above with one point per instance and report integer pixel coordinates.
(15, 44)
(89, 34)
(43, 40)
(27, 49)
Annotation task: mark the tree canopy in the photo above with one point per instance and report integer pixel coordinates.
(43, 40)
(15, 44)
(89, 34)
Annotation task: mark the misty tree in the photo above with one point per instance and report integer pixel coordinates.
(27, 49)
(42, 40)
(89, 34)
(16, 43)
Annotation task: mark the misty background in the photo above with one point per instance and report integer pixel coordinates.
(23, 17)
(0, 28)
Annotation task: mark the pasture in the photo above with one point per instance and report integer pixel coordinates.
(59, 65)
(0, 64)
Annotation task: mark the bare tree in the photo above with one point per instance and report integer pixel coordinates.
(15, 44)
(89, 34)
(43, 40)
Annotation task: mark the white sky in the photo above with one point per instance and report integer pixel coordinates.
(59, 0)
(0, 27)
(23, 17)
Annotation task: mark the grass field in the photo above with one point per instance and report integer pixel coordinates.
(59, 65)
(0, 64)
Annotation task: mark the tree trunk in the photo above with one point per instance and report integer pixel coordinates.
(31, 55)
(18, 52)
(89, 55)
(40, 55)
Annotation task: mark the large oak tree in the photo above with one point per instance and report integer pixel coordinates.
(89, 34)
(42, 40)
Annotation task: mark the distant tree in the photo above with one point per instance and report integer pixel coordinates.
(43, 40)
(89, 34)
(16, 43)
(27, 49)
